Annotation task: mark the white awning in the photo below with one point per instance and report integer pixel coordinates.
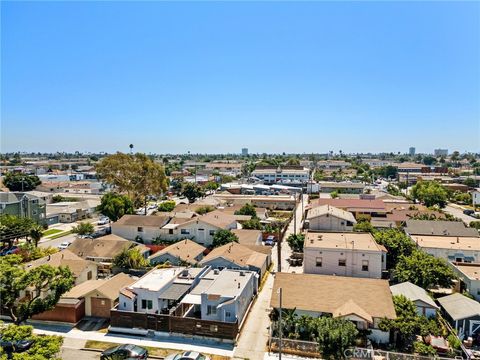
(191, 299)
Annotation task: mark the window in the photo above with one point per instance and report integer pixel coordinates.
(458, 259)
(170, 231)
(365, 265)
(228, 314)
(211, 232)
(342, 262)
(185, 231)
(318, 262)
(211, 310)
(140, 229)
(147, 304)
(102, 302)
(89, 275)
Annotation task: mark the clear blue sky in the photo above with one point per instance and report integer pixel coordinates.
(218, 76)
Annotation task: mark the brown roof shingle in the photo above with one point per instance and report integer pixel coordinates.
(327, 294)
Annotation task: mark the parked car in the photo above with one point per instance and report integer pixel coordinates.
(468, 212)
(64, 245)
(10, 251)
(124, 352)
(15, 346)
(103, 221)
(187, 355)
(270, 241)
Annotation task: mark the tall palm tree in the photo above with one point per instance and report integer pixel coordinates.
(36, 233)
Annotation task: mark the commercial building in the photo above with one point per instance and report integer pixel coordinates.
(244, 151)
(411, 151)
(440, 152)
(285, 174)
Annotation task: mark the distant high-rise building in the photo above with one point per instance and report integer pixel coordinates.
(440, 152)
(411, 151)
(244, 151)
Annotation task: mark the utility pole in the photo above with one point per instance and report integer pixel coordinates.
(279, 252)
(295, 217)
(280, 329)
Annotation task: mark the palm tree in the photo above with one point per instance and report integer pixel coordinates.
(36, 233)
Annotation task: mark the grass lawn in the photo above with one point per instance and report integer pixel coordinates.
(51, 231)
(102, 345)
(59, 235)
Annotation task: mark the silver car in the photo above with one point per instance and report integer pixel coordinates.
(187, 355)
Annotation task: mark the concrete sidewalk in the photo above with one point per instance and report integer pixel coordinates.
(74, 337)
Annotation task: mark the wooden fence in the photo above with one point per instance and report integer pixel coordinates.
(174, 324)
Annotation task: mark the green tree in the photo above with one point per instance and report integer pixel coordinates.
(115, 206)
(166, 206)
(84, 228)
(470, 182)
(318, 175)
(475, 224)
(135, 175)
(252, 224)
(130, 259)
(45, 283)
(44, 347)
(30, 252)
(296, 241)
(13, 228)
(363, 225)
(408, 324)
(335, 336)
(430, 193)
(211, 185)
(222, 237)
(204, 209)
(35, 234)
(247, 209)
(20, 182)
(396, 242)
(429, 160)
(424, 270)
(192, 191)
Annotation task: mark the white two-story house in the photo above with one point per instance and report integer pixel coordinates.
(344, 254)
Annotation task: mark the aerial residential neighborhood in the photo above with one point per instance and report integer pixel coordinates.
(245, 180)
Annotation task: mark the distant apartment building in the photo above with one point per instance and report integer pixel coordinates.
(341, 187)
(286, 174)
(244, 151)
(333, 164)
(344, 254)
(440, 152)
(411, 151)
(23, 205)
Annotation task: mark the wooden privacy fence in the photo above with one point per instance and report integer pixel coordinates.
(174, 324)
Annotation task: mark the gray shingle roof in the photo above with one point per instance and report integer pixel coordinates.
(459, 306)
(439, 228)
(413, 293)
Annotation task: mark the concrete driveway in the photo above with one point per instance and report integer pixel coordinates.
(457, 211)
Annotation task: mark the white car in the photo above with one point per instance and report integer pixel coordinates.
(64, 245)
(103, 221)
(187, 355)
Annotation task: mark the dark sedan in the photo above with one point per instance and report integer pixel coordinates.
(124, 352)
